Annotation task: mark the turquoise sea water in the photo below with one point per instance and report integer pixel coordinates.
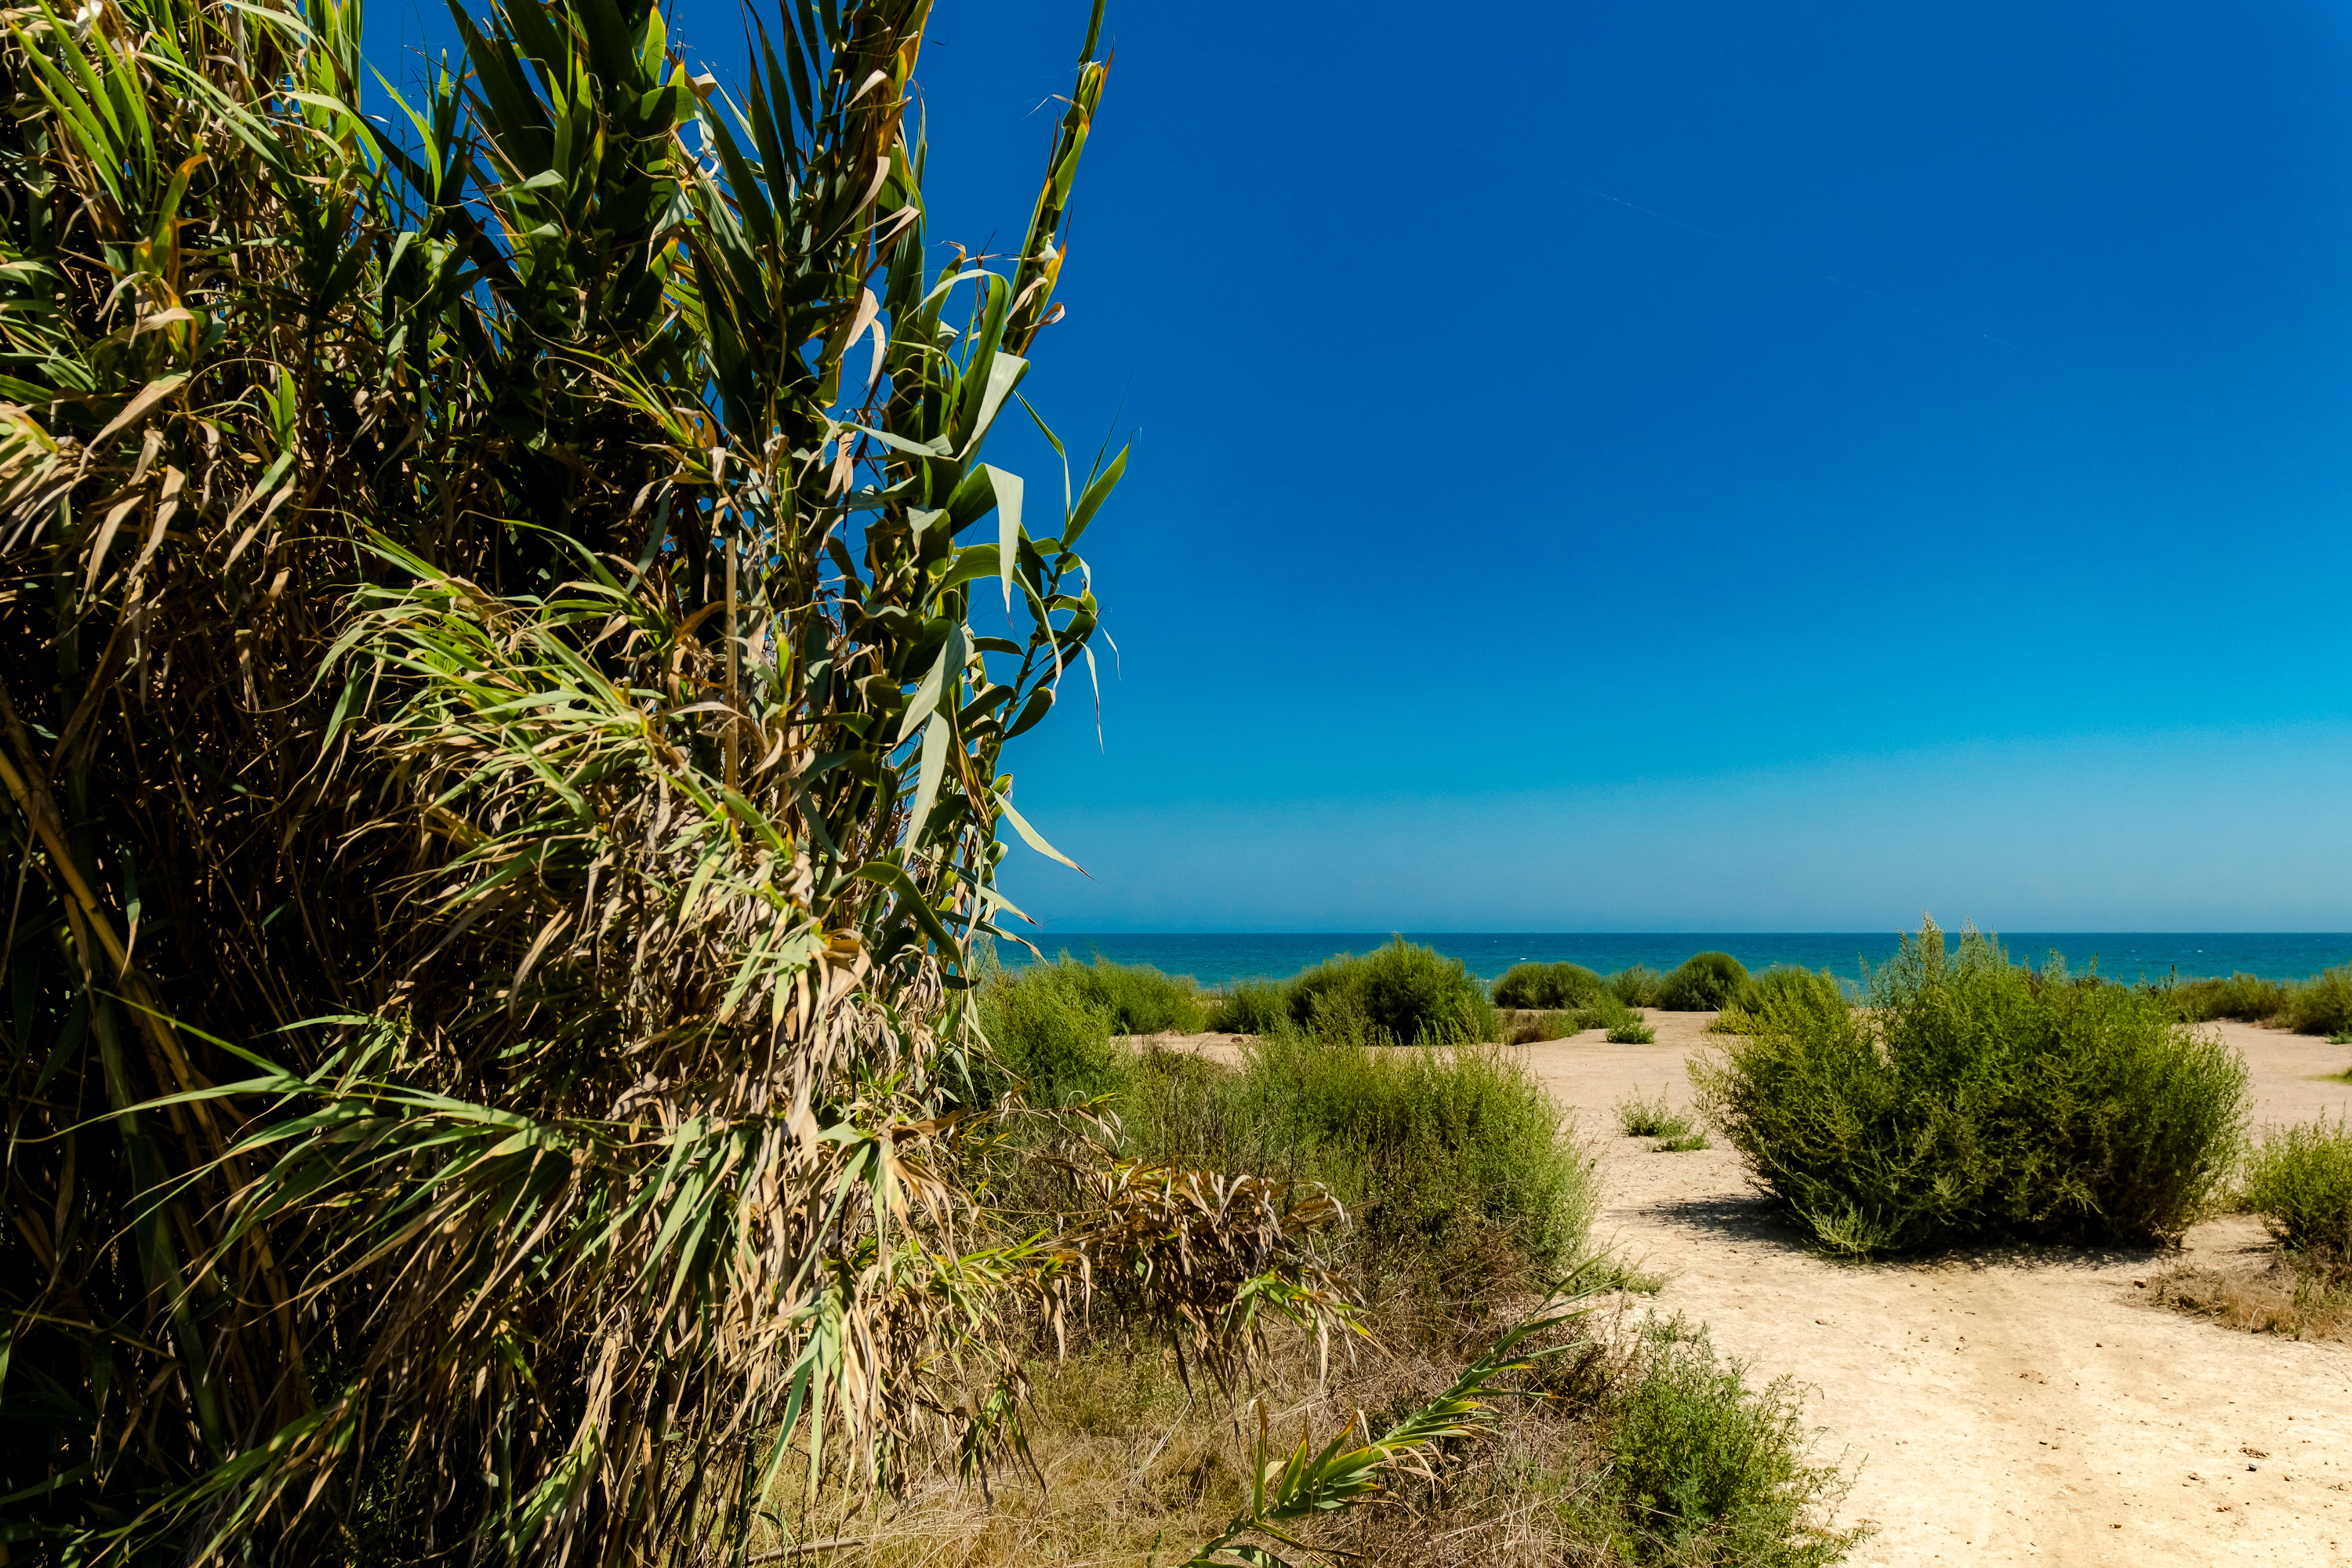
(1214, 958)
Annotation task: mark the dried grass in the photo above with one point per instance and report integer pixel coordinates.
(2282, 1299)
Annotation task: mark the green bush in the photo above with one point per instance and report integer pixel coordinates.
(2242, 996)
(1251, 1007)
(2321, 1005)
(2300, 1182)
(1705, 982)
(1636, 986)
(1136, 997)
(1551, 985)
(1706, 1470)
(1972, 1097)
(1781, 987)
(1632, 1031)
(1047, 1035)
(1444, 1158)
(1410, 994)
(1639, 1115)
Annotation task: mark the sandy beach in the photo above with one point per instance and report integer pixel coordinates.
(2011, 1406)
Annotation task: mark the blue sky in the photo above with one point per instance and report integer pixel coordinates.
(1691, 465)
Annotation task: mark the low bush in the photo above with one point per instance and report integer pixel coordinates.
(1639, 1115)
(1249, 1007)
(1452, 1158)
(1974, 1096)
(1637, 985)
(2242, 996)
(1707, 1470)
(1410, 993)
(1779, 988)
(2321, 1005)
(1046, 1035)
(1705, 982)
(2300, 1182)
(1136, 997)
(1632, 1031)
(1567, 986)
(1685, 1143)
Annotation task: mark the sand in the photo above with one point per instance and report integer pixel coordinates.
(2013, 1405)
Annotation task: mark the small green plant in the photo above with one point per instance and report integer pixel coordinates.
(2299, 1180)
(1639, 1115)
(1683, 1144)
(1632, 1032)
(1551, 985)
(2341, 1037)
(1705, 982)
(1707, 1470)
(1781, 987)
(1975, 1097)
(1605, 1271)
(1637, 985)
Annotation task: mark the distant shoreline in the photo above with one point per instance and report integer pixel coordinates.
(1215, 958)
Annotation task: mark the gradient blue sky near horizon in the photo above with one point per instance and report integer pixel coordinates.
(1687, 466)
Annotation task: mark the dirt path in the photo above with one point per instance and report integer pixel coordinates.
(2017, 1407)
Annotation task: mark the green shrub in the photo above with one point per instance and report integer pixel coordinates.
(1685, 1143)
(2300, 1182)
(1249, 1007)
(1047, 1037)
(1637, 987)
(1639, 1115)
(2321, 1005)
(1782, 986)
(1706, 1470)
(1136, 997)
(1632, 1031)
(1410, 993)
(1551, 985)
(1442, 1157)
(1972, 1097)
(1705, 982)
(2242, 996)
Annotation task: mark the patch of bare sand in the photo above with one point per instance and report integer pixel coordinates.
(2009, 1407)
(2016, 1405)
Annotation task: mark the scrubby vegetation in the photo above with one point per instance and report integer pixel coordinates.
(2299, 1180)
(1780, 989)
(1975, 1097)
(1705, 982)
(1563, 986)
(1464, 1202)
(1637, 985)
(1646, 1116)
(1403, 992)
(2321, 1005)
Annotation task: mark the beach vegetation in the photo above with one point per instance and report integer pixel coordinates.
(1779, 987)
(2299, 1180)
(2245, 997)
(1565, 986)
(1649, 1116)
(1249, 1007)
(1972, 1097)
(1637, 985)
(1702, 983)
(1630, 1030)
(2321, 1005)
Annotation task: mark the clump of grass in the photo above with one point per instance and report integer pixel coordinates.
(2283, 1300)
(1637, 985)
(1136, 997)
(1567, 986)
(1705, 982)
(1972, 1097)
(2299, 1180)
(1632, 1031)
(1705, 1469)
(1640, 1116)
(1249, 1007)
(1684, 1144)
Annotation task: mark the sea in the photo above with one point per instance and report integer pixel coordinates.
(1214, 958)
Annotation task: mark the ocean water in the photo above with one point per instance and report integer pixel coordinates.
(1212, 958)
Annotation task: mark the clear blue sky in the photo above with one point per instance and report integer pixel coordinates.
(1691, 465)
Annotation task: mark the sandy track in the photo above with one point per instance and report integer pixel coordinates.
(2015, 1406)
